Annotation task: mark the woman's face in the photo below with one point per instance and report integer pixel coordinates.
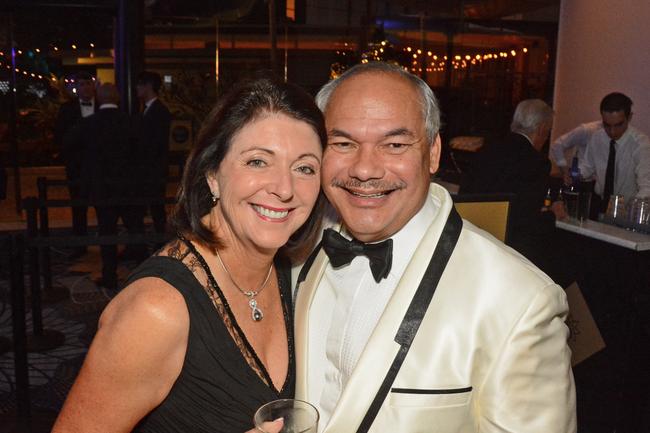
(268, 182)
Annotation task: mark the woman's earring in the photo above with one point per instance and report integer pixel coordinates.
(215, 198)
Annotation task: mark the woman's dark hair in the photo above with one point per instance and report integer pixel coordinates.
(245, 103)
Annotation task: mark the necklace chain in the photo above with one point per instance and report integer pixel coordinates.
(256, 312)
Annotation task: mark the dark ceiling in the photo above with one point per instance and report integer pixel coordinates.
(475, 9)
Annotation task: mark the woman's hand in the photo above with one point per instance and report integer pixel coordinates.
(269, 427)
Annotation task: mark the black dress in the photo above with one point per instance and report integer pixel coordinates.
(222, 381)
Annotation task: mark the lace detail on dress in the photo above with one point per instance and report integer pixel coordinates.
(179, 250)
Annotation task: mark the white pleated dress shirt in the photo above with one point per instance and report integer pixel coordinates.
(349, 304)
(87, 110)
(632, 173)
(148, 104)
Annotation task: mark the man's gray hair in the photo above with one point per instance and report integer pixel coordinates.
(430, 109)
(529, 115)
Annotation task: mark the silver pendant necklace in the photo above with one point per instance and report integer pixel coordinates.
(256, 312)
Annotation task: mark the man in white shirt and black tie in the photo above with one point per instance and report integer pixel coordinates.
(617, 156)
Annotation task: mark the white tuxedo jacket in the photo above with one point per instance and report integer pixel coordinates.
(490, 354)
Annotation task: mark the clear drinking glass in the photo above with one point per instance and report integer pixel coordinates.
(584, 204)
(639, 214)
(570, 197)
(615, 208)
(299, 416)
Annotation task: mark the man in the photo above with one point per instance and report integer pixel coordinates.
(516, 165)
(449, 331)
(106, 164)
(70, 113)
(618, 155)
(153, 144)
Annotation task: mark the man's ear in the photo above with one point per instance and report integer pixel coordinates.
(434, 155)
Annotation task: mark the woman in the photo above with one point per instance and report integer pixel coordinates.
(202, 334)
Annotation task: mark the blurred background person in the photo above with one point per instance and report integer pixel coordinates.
(69, 115)
(153, 125)
(203, 334)
(617, 156)
(105, 141)
(516, 165)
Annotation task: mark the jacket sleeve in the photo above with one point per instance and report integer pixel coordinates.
(60, 127)
(531, 387)
(160, 134)
(73, 144)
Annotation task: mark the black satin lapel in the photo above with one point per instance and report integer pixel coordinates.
(305, 270)
(430, 280)
(416, 310)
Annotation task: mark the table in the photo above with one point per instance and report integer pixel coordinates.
(607, 233)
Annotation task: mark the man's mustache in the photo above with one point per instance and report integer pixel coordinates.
(373, 184)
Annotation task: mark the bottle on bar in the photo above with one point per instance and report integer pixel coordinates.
(574, 172)
(548, 200)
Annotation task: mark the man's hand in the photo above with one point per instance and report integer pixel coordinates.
(566, 176)
(557, 207)
(269, 427)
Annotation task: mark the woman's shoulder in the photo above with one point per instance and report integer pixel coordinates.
(150, 301)
(171, 263)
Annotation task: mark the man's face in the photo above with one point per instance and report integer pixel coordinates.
(542, 135)
(378, 161)
(615, 123)
(85, 89)
(142, 90)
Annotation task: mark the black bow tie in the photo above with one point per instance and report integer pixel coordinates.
(86, 104)
(341, 252)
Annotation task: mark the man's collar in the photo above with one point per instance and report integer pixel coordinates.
(526, 137)
(101, 107)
